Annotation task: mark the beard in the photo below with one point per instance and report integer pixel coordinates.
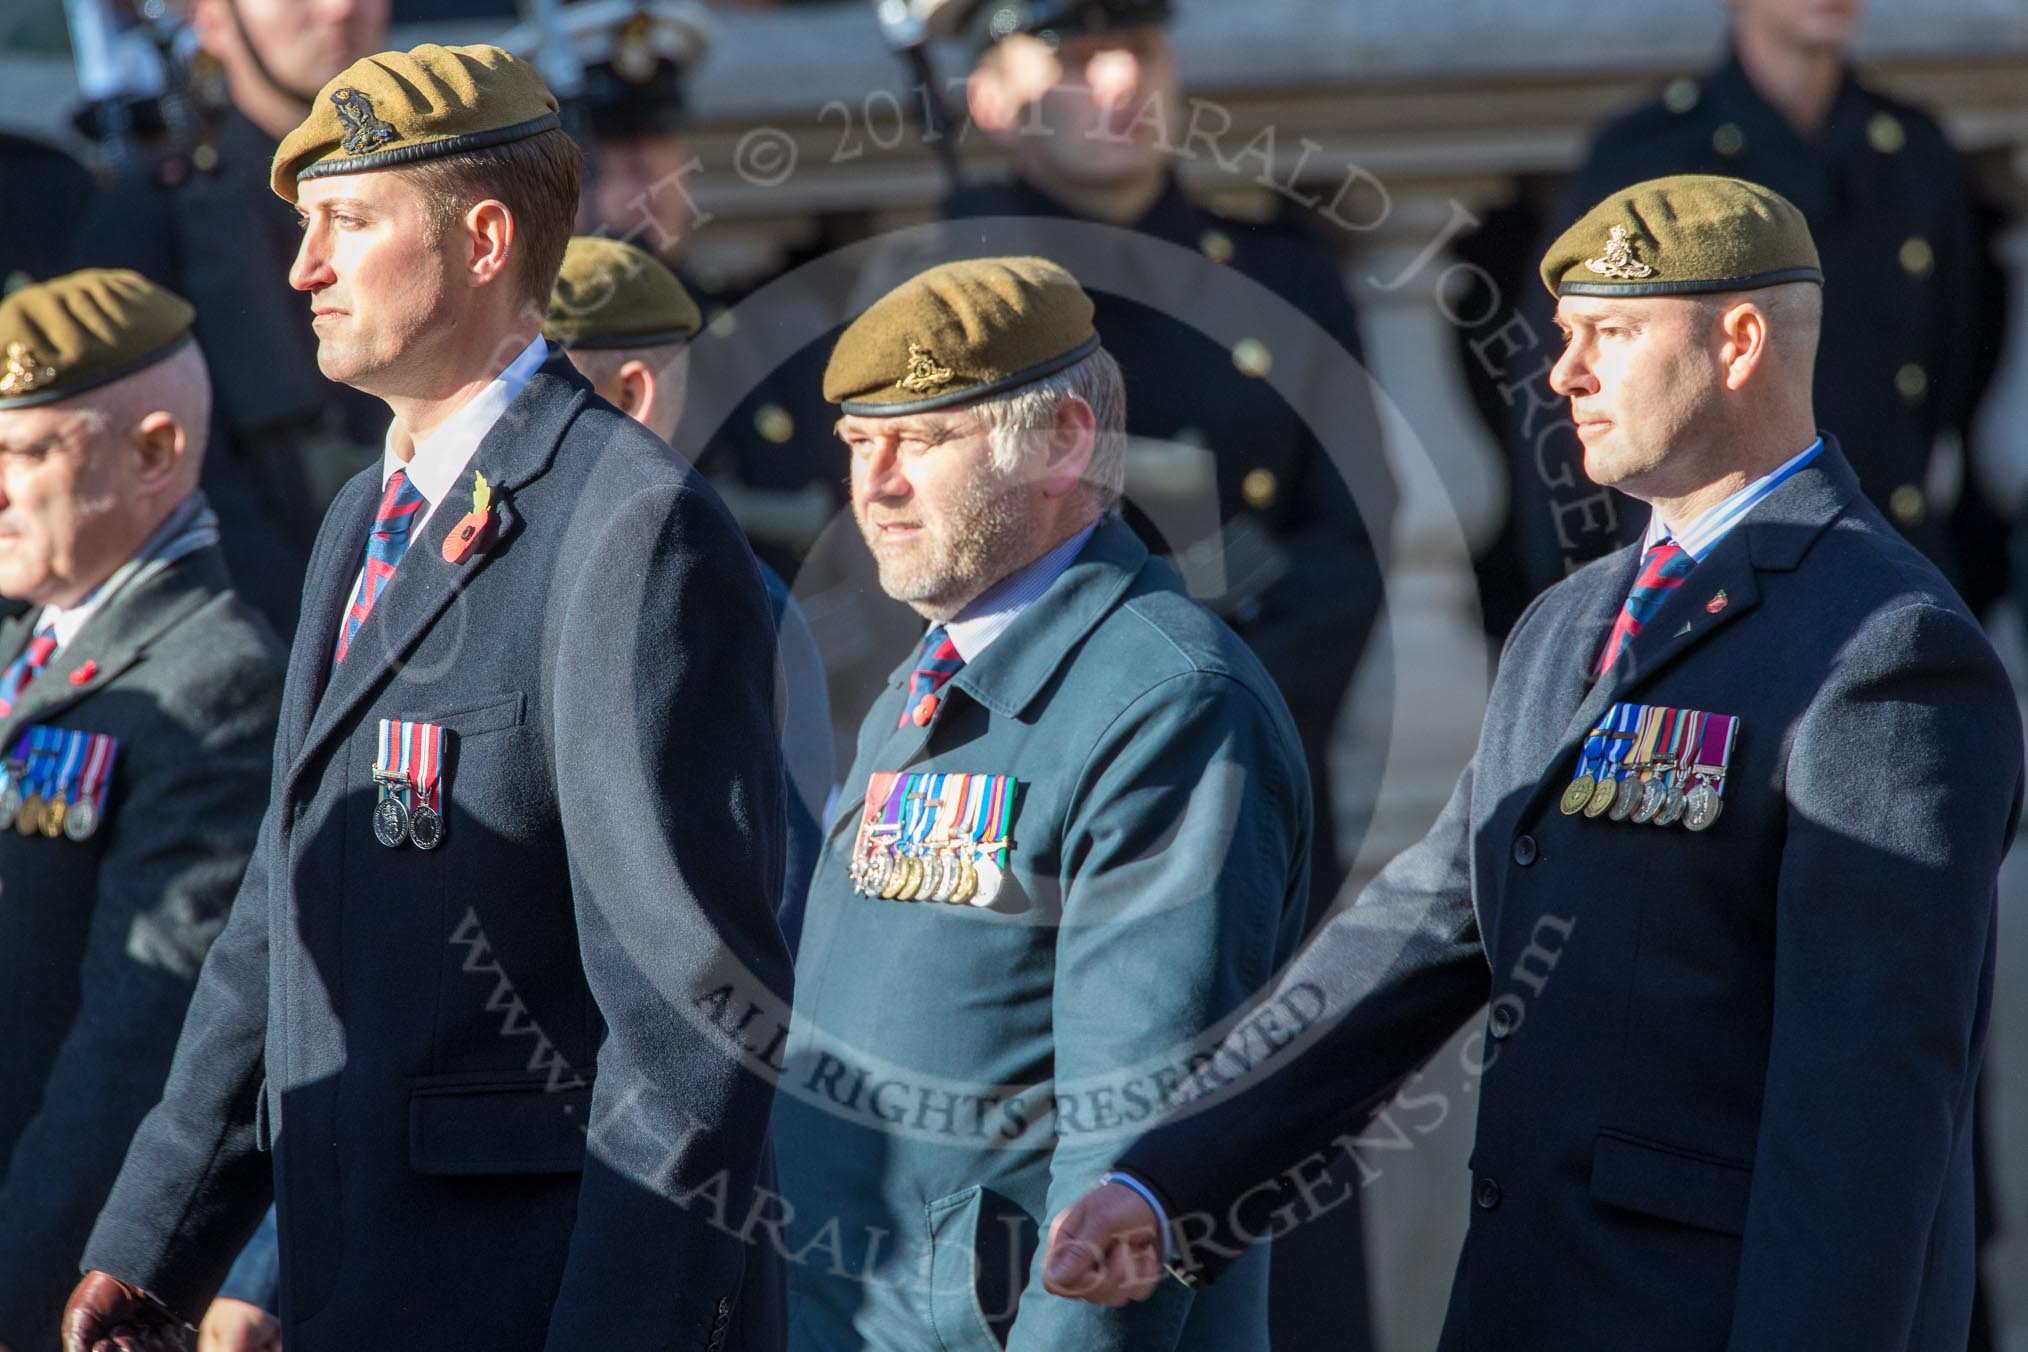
(987, 533)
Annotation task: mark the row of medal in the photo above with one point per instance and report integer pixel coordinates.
(55, 781)
(1652, 765)
(408, 765)
(934, 837)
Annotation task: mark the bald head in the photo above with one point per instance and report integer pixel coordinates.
(85, 481)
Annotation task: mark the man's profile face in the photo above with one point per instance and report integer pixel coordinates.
(376, 273)
(941, 520)
(1819, 25)
(55, 485)
(1639, 374)
(1098, 108)
(302, 43)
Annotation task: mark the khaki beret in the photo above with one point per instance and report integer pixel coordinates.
(1686, 235)
(75, 333)
(961, 332)
(611, 294)
(399, 108)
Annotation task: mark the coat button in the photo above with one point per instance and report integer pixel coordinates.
(1502, 1021)
(1487, 1194)
(1525, 851)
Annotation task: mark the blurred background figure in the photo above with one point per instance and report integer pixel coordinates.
(199, 218)
(138, 699)
(41, 190)
(1913, 300)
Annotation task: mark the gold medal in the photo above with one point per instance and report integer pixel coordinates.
(29, 819)
(896, 875)
(1577, 797)
(1602, 797)
(51, 824)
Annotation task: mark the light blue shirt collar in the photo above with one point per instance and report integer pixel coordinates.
(1701, 536)
(989, 614)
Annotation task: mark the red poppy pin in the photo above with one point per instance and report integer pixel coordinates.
(476, 524)
(1716, 603)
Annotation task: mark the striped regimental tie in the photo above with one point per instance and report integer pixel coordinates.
(400, 505)
(935, 664)
(24, 668)
(1663, 569)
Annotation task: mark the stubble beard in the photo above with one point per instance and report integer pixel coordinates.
(983, 536)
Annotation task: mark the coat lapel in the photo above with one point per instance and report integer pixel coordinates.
(115, 638)
(517, 449)
(1774, 537)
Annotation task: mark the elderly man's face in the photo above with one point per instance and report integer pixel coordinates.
(59, 478)
(376, 272)
(639, 193)
(942, 521)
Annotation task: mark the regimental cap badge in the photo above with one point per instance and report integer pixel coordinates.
(924, 374)
(1618, 261)
(24, 374)
(364, 132)
(634, 56)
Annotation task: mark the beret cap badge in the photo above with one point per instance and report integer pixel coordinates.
(23, 373)
(1618, 260)
(364, 132)
(924, 372)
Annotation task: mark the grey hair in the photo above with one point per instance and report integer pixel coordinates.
(1009, 418)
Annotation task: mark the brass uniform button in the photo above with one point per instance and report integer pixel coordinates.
(1252, 357)
(1217, 246)
(1681, 95)
(773, 422)
(1918, 260)
(1907, 505)
(1912, 381)
(1728, 140)
(723, 324)
(205, 158)
(1260, 487)
(1886, 134)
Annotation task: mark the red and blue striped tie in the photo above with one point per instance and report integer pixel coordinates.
(400, 505)
(23, 669)
(1663, 569)
(937, 662)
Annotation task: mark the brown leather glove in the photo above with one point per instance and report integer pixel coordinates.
(107, 1315)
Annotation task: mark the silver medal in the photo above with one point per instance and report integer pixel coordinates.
(390, 822)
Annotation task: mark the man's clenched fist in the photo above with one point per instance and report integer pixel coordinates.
(107, 1315)
(1105, 1249)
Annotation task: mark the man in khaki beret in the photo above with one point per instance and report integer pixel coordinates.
(138, 698)
(1076, 838)
(1723, 866)
(525, 821)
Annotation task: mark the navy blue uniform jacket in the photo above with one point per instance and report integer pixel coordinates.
(482, 1068)
(1727, 1101)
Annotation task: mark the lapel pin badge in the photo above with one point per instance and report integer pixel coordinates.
(83, 674)
(472, 528)
(1716, 603)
